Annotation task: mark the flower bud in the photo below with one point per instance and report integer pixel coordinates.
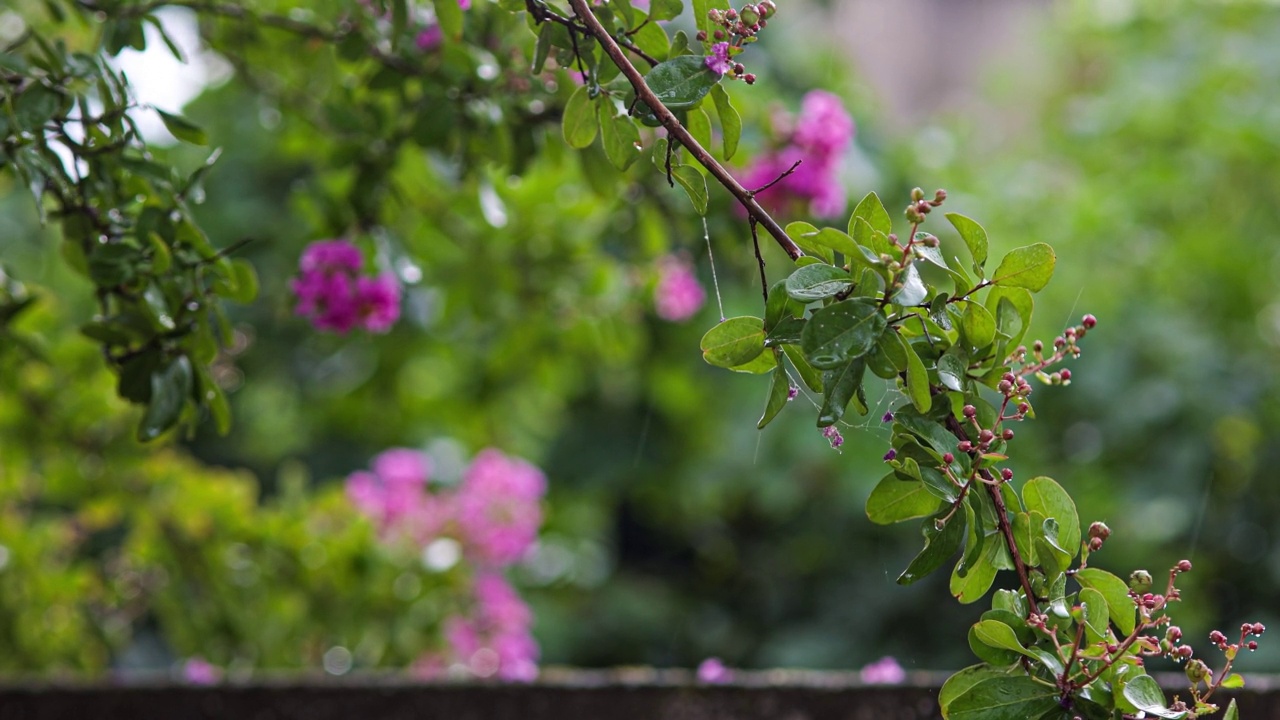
(1183, 566)
(714, 16)
(1059, 342)
(719, 34)
(923, 207)
(1006, 474)
(1173, 634)
(1140, 580)
(1089, 322)
(917, 194)
(1197, 671)
(1184, 651)
(749, 15)
(738, 68)
(939, 195)
(1007, 434)
(1065, 374)
(1099, 530)
(1217, 638)
(702, 36)
(1258, 628)
(1037, 346)
(750, 78)
(1095, 544)
(965, 446)
(986, 436)
(767, 8)
(948, 458)
(970, 411)
(731, 14)
(1252, 645)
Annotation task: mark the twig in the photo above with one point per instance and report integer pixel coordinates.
(755, 241)
(678, 131)
(776, 180)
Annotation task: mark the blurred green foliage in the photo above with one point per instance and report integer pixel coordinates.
(675, 529)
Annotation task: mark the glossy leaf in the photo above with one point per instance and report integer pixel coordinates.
(841, 332)
(665, 9)
(962, 681)
(170, 389)
(951, 371)
(1010, 697)
(1029, 267)
(872, 210)
(979, 575)
(682, 82)
(939, 546)
(998, 301)
(1043, 495)
(1121, 608)
(805, 235)
(975, 238)
(809, 375)
(730, 120)
(618, 135)
(698, 123)
(733, 342)
(815, 282)
(918, 382)
(978, 326)
(778, 391)
(894, 500)
(1145, 694)
(1096, 614)
(913, 291)
(695, 186)
(579, 122)
(840, 387)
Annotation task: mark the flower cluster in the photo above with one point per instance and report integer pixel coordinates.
(736, 29)
(678, 295)
(493, 516)
(805, 166)
(335, 295)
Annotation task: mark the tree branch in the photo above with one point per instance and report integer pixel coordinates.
(678, 131)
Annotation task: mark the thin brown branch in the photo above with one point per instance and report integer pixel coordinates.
(679, 132)
(755, 242)
(778, 179)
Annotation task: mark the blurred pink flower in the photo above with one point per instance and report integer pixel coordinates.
(885, 671)
(817, 139)
(495, 640)
(197, 671)
(497, 505)
(678, 294)
(714, 672)
(393, 495)
(333, 295)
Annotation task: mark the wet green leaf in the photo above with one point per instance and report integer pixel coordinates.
(619, 136)
(733, 342)
(681, 83)
(1011, 697)
(1116, 592)
(730, 121)
(893, 500)
(841, 332)
(1146, 695)
(974, 237)
(170, 389)
(579, 123)
(1043, 495)
(918, 382)
(778, 392)
(1028, 267)
(183, 129)
(815, 282)
(840, 387)
(695, 186)
(939, 546)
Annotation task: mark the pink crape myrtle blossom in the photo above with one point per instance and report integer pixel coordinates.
(818, 139)
(885, 671)
(497, 506)
(394, 496)
(429, 37)
(332, 293)
(198, 671)
(494, 640)
(713, 672)
(718, 61)
(678, 295)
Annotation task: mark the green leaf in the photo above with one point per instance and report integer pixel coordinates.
(939, 546)
(652, 39)
(618, 135)
(1096, 615)
(998, 635)
(245, 280)
(974, 237)
(951, 371)
(805, 236)
(1233, 681)
(1146, 695)
(1021, 301)
(872, 210)
(1116, 591)
(733, 342)
(183, 129)
(695, 186)
(1023, 537)
(808, 374)
(170, 388)
(730, 120)
(978, 326)
(893, 500)
(699, 126)
(840, 387)
(787, 332)
(1233, 712)
(868, 237)
(579, 122)
(1007, 697)
(546, 34)
(931, 432)
(979, 575)
(815, 282)
(918, 382)
(449, 15)
(779, 390)
(665, 9)
(1043, 495)
(961, 682)
(759, 365)
(1028, 267)
(841, 332)
(681, 83)
(913, 290)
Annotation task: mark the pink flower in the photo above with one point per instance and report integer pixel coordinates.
(394, 496)
(885, 671)
(429, 38)
(197, 671)
(495, 640)
(718, 60)
(714, 672)
(498, 511)
(678, 294)
(818, 140)
(333, 295)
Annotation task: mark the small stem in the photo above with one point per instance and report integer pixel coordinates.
(679, 132)
(755, 241)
